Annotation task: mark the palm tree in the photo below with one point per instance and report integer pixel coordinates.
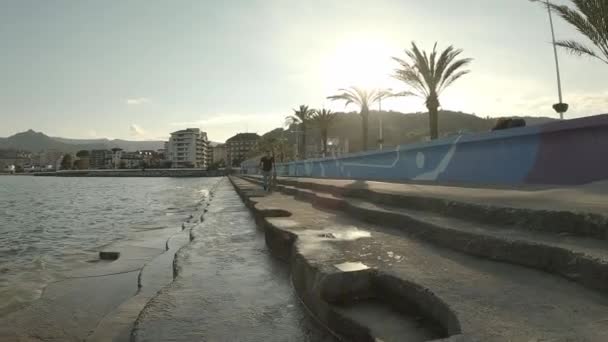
(323, 119)
(364, 99)
(591, 19)
(429, 75)
(300, 116)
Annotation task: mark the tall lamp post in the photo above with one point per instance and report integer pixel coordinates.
(380, 137)
(560, 107)
(380, 127)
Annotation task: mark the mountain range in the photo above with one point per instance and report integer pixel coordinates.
(37, 141)
(398, 128)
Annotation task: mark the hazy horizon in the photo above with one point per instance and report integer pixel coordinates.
(138, 71)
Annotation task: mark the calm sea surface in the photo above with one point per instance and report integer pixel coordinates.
(49, 225)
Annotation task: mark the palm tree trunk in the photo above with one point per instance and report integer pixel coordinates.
(303, 146)
(432, 104)
(434, 122)
(364, 124)
(324, 137)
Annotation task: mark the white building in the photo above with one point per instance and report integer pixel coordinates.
(188, 148)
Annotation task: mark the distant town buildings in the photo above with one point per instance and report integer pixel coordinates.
(101, 159)
(15, 161)
(239, 146)
(188, 148)
(220, 154)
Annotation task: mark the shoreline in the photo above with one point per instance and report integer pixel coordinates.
(134, 173)
(115, 290)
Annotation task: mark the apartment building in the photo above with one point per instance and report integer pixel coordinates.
(219, 153)
(100, 159)
(188, 148)
(238, 147)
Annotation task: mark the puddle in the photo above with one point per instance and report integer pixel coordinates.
(387, 324)
(344, 233)
(284, 223)
(351, 266)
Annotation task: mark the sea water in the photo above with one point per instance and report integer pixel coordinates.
(50, 225)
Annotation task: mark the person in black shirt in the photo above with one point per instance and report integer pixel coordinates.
(266, 165)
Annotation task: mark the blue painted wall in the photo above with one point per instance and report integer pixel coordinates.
(541, 154)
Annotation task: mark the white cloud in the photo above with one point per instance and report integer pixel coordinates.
(218, 120)
(222, 126)
(136, 131)
(137, 101)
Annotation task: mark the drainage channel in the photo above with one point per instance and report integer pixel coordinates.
(227, 287)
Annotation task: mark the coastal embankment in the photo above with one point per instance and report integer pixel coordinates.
(373, 261)
(569, 152)
(135, 173)
(210, 278)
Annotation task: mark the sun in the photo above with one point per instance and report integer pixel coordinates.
(361, 62)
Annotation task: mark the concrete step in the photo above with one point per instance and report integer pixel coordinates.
(339, 262)
(226, 286)
(580, 212)
(580, 259)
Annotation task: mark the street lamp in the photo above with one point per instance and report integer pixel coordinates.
(380, 129)
(560, 107)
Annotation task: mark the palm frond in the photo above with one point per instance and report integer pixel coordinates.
(576, 48)
(323, 118)
(590, 18)
(429, 75)
(453, 78)
(447, 77)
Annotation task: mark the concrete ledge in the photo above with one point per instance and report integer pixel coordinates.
(321, 287)
(554, 221)
(107, 255)
(588, 270)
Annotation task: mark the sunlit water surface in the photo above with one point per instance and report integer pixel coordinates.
(50, 225)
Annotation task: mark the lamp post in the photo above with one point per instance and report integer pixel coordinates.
(380, 137)
(388, 92)
(297, 132)
(560, 107)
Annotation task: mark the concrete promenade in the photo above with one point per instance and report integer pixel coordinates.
(381, 260)
(227, 286)
(326, 260)
(590, 198)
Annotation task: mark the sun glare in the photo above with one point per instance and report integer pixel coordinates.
(358, 62)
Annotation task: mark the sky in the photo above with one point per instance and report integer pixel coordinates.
(140, 69)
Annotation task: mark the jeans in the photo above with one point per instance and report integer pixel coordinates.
(266, 179)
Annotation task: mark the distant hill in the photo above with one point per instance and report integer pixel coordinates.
(128, 145)
(400, 128)
(37, 141)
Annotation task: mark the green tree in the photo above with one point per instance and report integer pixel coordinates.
(589, 17)
(323, 119)
(363, 99)
(429, 75)
(301, 117)
(66, 162)
(82, 154)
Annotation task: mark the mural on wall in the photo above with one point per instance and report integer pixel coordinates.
(562, 152)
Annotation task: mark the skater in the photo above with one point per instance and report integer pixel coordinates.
(266, 166)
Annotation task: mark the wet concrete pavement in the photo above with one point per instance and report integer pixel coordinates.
(228, 287)
(339, 259)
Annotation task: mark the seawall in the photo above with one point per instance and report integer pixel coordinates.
(559, 153)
